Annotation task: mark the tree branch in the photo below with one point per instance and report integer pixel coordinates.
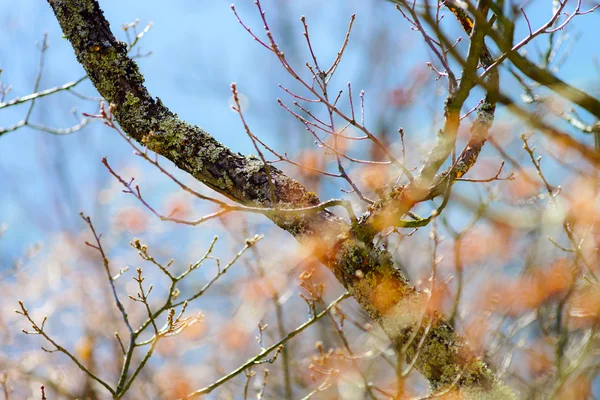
(367, 271)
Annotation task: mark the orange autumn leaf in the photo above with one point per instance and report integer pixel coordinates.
(342, 144)
(195, 331)
(312, 161)
(132, 220)
(539, 358)
(177, 207)
(584, 206)
(479, 245)
(234, 336)
(374, 177)
(257, 288)
(558, 279)
(174, 384)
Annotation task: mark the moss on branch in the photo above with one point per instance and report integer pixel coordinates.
(367, 271)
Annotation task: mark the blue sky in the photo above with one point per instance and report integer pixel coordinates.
(198, 49)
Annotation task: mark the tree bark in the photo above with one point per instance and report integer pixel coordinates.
(365, 270)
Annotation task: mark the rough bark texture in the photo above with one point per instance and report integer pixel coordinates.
(366, 271)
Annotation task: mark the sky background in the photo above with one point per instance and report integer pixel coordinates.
(199, 48)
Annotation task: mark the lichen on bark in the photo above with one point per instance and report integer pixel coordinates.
(365, 270)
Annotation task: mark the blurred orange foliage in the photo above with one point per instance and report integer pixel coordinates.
(132, 220)
(531, 290)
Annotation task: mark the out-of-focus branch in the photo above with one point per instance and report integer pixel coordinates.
(43, 93)
(541, 75)
(427, 186)
(260, 357)
(67, 87)
(39, 329)
(367, 271)
(36, 95)
(556, 135)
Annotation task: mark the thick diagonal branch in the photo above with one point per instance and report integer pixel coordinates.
(366, 271)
